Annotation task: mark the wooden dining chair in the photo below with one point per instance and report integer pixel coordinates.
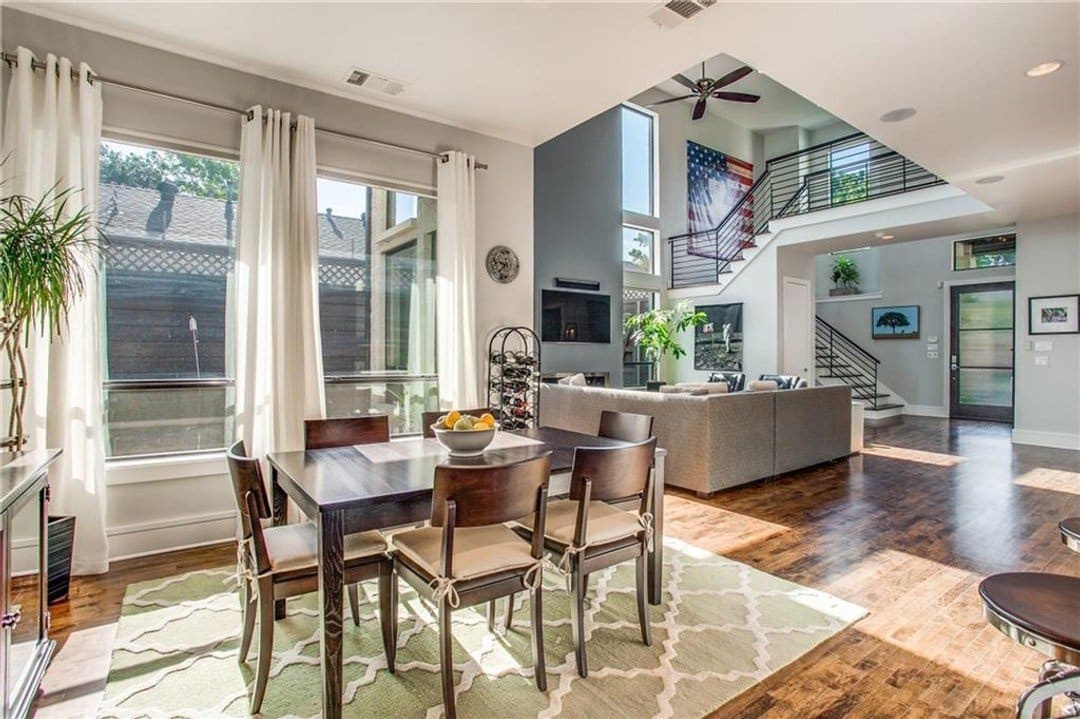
(429, 418)
(346, 432)
(281, 562)
(469, 556)
(627, 426)
(588, 534)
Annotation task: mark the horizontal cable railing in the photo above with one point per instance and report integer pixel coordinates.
(851, 169)
(839, 357)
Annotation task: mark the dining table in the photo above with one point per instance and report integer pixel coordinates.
(389, 484)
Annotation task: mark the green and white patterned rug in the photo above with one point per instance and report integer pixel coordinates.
(722, 628)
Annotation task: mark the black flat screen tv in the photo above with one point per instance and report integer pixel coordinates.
(575, 317)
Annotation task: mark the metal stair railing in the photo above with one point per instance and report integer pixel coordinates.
(843, 359)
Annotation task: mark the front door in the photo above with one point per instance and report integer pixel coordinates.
(981, 351)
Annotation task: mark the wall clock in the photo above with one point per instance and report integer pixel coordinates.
(502, 264)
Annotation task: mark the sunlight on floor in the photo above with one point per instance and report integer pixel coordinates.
(1056, 480)
(913, 455)
(75, 681)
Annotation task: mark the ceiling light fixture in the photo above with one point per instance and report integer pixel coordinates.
(887, 236)
(989, 179)
(898, 115)
(1045, 68)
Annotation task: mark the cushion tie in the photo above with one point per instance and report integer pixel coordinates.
(645, 519)
(245, 565)
(444, 589)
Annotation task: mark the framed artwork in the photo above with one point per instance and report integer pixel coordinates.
(718, 344)
(895, 323)
(715, 183)
(1054, 315)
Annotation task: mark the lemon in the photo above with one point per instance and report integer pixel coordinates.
(487, 417)
(440, 423)
(463, 424)
(452, 419)
(484, 424)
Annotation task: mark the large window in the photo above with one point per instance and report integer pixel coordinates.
(169, 221)
(983, 252)
(377, 302)
(638, 161)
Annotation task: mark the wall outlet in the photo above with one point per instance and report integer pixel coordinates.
(1042, 361)
(932, 355)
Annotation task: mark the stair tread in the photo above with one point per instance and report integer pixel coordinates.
(890, 405)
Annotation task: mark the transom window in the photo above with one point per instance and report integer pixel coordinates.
(983, 252)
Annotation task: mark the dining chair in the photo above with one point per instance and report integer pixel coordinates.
(627, 426)
(468, 555)
(588, 534)
(346, 432)
(429, 418)
(280, 562)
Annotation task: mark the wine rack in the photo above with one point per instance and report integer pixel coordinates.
(514, 377)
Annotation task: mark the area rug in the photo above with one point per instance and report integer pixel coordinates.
(722, 628)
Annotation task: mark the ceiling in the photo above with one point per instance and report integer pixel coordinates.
(778, 106)
(528, 71)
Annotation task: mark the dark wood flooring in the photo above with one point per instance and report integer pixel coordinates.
(906, 530)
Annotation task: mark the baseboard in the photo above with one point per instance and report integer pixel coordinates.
(145, 538)
(925, 410)
(1059, 440)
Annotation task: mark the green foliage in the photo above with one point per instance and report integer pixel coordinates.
(892, 320)
(844, 272)
(849, 187)
(655, 330)
(193, 175)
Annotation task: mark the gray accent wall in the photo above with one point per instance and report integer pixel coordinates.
(908, 273)
(577, 232)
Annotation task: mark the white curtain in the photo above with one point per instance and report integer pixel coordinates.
(278, 345)
(51, 138)
(456, 263)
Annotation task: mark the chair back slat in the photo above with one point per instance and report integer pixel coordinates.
(614, 472)
(490, 494)
(346, 431)
(429, 418)
(251, 500)
(627, 426)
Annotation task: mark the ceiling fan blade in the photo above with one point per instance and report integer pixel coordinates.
(736, 96)
(672, 99)
(699, 108)
(733, 76)
(685, 81)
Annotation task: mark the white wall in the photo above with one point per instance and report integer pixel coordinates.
(177, 508)
(1047, 398)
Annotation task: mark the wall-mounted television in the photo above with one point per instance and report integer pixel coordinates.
(575, 317)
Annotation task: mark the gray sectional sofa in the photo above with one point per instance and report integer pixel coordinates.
(723, 440)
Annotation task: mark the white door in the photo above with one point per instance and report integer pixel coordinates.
(798, 324)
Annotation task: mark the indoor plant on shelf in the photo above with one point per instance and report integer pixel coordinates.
(655, 331)
(43, 258)
(845, 275)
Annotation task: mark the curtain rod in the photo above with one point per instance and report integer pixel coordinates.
(12, 59)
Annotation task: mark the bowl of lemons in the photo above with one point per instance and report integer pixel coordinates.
(465, 435)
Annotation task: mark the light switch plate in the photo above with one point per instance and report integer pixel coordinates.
(1044, 346)
(932, 347)
(1042, 361)
(931, 340)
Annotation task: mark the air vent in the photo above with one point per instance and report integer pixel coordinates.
(374, 83)
(675, 12)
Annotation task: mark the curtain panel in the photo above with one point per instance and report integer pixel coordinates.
(52, 135)
(279, 367)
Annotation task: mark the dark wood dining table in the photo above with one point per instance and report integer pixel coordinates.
(388, 484)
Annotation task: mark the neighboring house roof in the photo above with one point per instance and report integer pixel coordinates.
(123, 212)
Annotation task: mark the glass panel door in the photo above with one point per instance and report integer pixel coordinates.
(981, 351)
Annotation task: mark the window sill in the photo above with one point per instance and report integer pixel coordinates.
(162, 468)
(850, 298)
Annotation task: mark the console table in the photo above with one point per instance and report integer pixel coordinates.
(25, 647)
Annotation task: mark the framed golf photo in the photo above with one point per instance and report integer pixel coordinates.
(894, 323)
(1054, 315)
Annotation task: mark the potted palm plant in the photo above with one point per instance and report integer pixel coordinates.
(655, 332)
(44, 253)
(845, 275)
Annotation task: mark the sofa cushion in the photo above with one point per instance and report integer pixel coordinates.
(762, 385)
(707, 387)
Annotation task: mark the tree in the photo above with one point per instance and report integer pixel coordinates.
(655, 330)
(893, 320)
(192, 174)
(850, 186)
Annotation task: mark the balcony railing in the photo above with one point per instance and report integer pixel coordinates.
(851, 169)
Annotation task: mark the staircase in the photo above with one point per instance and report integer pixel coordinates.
(852, 169)
(840, 360)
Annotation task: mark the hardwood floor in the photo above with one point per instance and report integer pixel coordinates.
(906, 530)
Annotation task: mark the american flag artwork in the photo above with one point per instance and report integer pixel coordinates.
(715, 183)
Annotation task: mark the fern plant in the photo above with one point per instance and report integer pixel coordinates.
(43, 260)
(844, 272)
(654, 331)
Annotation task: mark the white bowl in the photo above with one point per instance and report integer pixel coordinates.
(465, 443)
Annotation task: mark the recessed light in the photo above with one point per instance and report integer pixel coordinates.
(1045, 68)
(887, 236)
(898, 115)
(989, 179)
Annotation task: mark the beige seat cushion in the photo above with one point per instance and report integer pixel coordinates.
(606, 523)
(296, 546)
(762, 385)
(478, 551)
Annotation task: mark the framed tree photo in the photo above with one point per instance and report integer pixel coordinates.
(1054, 315)
(895, 323)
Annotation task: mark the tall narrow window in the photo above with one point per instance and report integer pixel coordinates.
(638, 161)
(637, 369)
(169, 223)
(377, 302)
(638, 248)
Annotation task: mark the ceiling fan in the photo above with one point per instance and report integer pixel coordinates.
(706, 87)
